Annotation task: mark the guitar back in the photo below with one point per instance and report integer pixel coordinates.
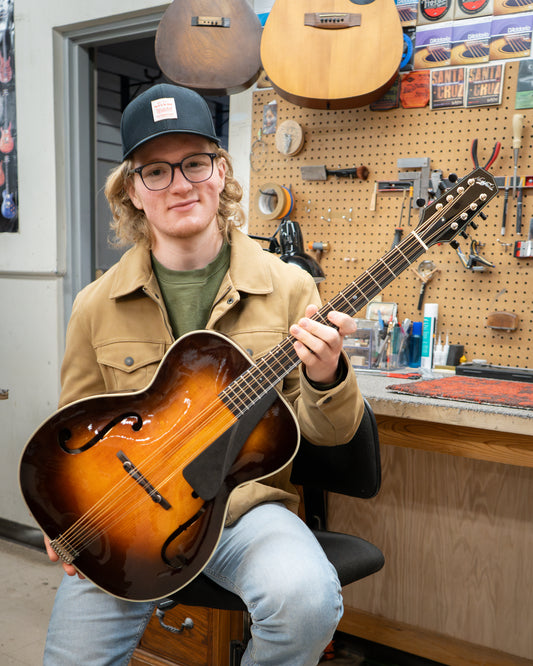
(210, 45)
(325, 65)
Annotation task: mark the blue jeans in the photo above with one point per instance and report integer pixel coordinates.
(268, 557)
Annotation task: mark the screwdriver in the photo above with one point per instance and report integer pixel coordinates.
(518, 120)
(505, 204)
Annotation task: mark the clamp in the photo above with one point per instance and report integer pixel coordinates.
(474, 261)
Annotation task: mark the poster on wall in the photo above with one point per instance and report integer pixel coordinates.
(8, 130)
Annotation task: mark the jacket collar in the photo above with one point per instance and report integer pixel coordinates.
(249, 270)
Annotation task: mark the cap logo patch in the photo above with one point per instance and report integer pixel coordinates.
(164, 108)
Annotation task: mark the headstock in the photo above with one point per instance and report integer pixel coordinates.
(449, 215)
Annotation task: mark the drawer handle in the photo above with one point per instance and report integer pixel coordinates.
(186, 624)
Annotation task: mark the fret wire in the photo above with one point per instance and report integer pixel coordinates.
(350, 304)
(387, 267)
(380, 287)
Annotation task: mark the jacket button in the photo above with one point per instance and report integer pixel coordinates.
(250, 351)
(128, 361)
(230, 301)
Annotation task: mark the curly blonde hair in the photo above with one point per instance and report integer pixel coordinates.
(129, 224)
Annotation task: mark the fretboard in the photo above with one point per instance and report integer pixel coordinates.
(282, 359)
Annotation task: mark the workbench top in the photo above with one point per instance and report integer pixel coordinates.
(452, 412)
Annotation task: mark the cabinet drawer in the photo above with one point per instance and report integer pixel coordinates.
(207, 643)
(191, 647)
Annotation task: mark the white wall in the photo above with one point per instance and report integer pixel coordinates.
(33, 261)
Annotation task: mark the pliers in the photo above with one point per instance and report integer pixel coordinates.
(492, 158)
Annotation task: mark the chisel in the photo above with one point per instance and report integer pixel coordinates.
(518, 120)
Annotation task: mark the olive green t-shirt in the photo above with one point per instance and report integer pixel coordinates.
(189, 295)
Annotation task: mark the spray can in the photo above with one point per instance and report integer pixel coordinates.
(431, 313)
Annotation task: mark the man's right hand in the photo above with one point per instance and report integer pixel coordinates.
(54, 557)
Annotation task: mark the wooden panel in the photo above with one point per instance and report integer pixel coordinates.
(457, 535)
(428, 644)
(491, 445)
(337, 210)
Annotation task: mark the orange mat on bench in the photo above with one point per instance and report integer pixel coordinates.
(472, 389)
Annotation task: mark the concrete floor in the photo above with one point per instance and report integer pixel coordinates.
(28, 585)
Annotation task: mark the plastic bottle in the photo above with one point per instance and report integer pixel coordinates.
(446, 350)
(431, 313)
(415, 345)
(437, 352)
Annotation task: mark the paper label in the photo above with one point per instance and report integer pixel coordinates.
(164, 108)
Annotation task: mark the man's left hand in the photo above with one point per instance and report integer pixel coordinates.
(319, 346)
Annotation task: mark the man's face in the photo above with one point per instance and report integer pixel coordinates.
(184, 209)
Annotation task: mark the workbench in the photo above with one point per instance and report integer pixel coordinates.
(454, 518)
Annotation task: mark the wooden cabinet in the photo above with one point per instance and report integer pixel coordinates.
(206, 643)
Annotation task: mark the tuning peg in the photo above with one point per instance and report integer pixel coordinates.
(454, 244)
(483, 216)
(420, 202)
(474, 225)
(464, 234)
(452, 178)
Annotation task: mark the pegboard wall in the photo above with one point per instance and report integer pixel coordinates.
(337, 210)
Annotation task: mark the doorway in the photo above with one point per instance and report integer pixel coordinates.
(103, 67)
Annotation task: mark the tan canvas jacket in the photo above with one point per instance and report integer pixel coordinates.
(119, 331)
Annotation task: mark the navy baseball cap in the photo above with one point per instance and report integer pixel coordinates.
(165, 109)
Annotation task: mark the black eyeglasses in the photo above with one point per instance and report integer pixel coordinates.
(159, 175)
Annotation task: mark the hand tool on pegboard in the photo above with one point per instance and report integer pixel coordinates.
(418, 179)
(518, 122)
(492, 158)
(381, 186)
(505, 205)
(321, 172)
(474, 261)
(519, 201)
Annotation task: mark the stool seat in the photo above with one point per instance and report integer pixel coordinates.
(353, 558)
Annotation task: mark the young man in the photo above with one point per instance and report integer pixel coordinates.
(175, 198)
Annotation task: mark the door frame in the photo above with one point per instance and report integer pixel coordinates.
(75, 122)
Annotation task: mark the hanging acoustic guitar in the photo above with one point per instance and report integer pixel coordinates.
(332, 54)
(132, 488)
(211, 46)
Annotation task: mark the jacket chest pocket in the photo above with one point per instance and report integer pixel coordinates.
(129, 365)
